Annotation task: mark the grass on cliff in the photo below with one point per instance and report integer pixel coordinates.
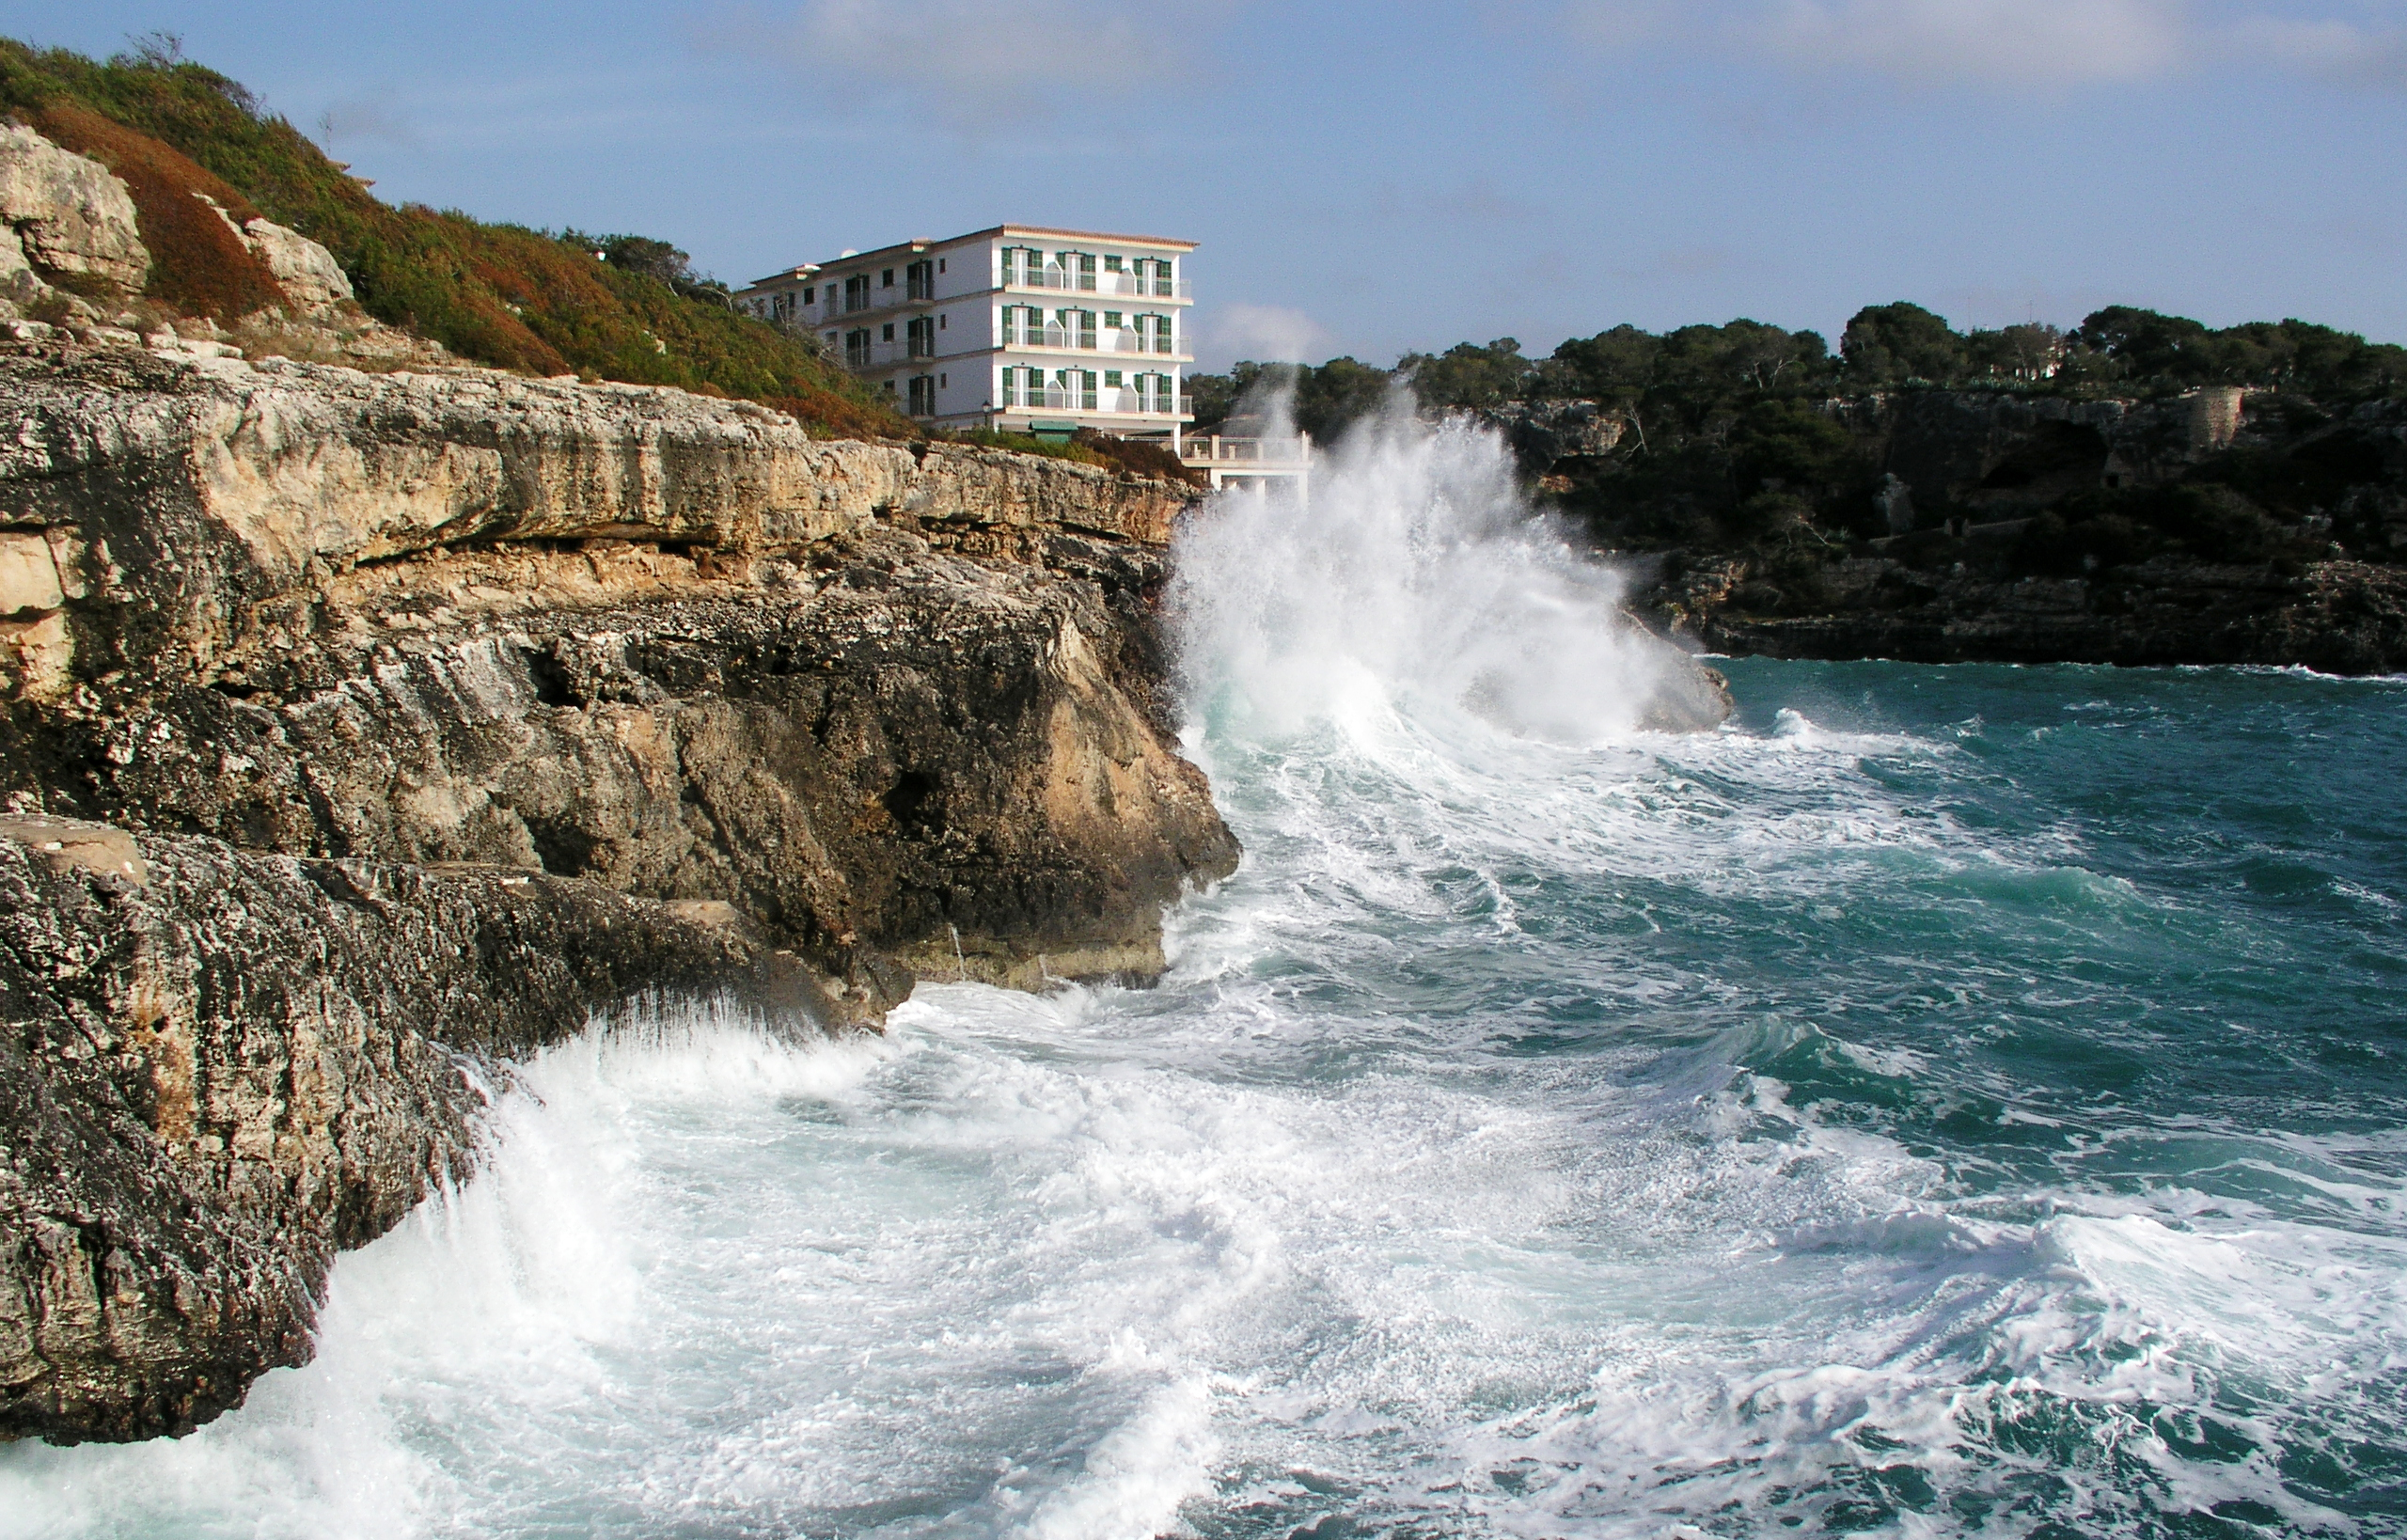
(499, 294)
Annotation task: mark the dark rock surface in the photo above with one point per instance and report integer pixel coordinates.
(217, 1076)
(2338, 617)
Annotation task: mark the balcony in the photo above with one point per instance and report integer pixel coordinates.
(1118, 402)
(1100, 340)
(1108, 285)
(878, 355)
(1251, 460)
(833, 309)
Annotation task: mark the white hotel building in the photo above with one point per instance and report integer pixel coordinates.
(1018, 327)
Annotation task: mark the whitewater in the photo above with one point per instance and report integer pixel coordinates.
(1944, 1101)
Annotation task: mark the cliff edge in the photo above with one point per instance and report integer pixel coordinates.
(363, 732)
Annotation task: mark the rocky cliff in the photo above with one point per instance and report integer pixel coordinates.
(364, 731)
(2215, 525)
(870, 696)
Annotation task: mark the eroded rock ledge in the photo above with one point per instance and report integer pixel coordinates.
(446, 709)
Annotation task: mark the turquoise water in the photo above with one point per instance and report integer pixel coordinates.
(1949, 1100)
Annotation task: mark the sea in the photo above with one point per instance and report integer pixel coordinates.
(1944, 1101)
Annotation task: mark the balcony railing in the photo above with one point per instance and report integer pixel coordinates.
(1110, 285)
(1210, 451)
(876, 353)
(833, 309)
(1101, 341)
(1124, 403)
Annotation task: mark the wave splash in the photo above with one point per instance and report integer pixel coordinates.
(1551, 1131)
(1413, 578)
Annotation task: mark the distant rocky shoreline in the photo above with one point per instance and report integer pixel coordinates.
(2219, 526)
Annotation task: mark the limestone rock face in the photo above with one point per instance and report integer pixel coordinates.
(215, 1076)
(306, 271)
(672, 644)
(68, 214)
(1543, 435)
(361, 730)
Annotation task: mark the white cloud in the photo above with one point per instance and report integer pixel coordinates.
(2014, 42)
(993, 64)
(1265, 333)
(2345, 53)
(2005, 42)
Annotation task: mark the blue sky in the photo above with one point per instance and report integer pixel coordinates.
(1369, 179)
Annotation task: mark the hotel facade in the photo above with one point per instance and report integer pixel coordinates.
(1021, 327)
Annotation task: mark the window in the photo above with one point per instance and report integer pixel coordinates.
(921, 281)
(831, 339)
(1111, 379)
(939, 323)
(1111, 319)
(940, 382)
(1086, 390)
(1086, 327)
(1011, 324)
(1162, 286)
(940, 264)
(857, 292)
(810, 296)
(921, 334)
(1085, 260)
(857, 347)
(886, 278)
(922, 395)
(1010, 375)
(888, 334)
(1112, 264)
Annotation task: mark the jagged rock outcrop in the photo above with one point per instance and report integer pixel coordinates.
(66, 215)
(219, 1067)
(1542, 434)
(306, 271)
(433, 713)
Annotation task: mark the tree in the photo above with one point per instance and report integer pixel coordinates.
(1892, 344)
(1331, 399)
(2031, 352)
(1613, 365)
(1466, 375)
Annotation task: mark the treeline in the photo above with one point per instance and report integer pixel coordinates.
(1689, 375)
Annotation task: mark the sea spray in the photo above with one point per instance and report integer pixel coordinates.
(1416, 577)
(1949, 1101)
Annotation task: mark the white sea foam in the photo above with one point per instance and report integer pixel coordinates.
(1309, 1231)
